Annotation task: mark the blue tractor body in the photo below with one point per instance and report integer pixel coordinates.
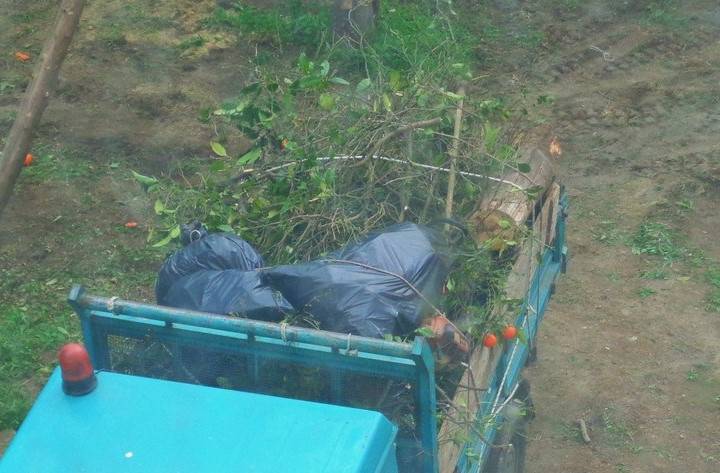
(138, 424)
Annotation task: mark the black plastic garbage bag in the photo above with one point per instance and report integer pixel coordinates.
(215, 251)
(230, 292)
(419, 253)
(357, 289)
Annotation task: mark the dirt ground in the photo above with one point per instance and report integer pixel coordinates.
(630, 342)
(638, 110)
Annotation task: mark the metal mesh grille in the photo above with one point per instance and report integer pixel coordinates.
(154, 358)
(141, 357)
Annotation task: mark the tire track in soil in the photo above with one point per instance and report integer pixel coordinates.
(617, 99)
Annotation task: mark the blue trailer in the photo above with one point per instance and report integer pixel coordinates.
(372, 405)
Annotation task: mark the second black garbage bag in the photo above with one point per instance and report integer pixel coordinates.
(370, 288)
(231, 292)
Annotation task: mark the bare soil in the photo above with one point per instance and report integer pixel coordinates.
(636, 105)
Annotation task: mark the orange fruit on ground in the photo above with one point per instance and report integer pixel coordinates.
(22, 56)
(131, 224)
(28, 160)
(490, 340)
(509, 332)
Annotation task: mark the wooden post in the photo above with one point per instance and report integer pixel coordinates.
(454, 152)
(36, 98)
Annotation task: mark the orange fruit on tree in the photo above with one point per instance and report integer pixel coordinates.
(490, 340)
(509, 332)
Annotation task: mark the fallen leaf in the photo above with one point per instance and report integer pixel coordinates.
(555, 148)
(22, 56)
(144, 180)
(218, 149)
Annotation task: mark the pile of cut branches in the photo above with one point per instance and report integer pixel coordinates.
(352, 140)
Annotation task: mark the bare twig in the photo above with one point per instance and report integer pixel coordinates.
(454, 148)
(403, 129)
(405, 194)
(470, 424)
(429, 197)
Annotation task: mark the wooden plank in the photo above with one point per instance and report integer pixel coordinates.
(528, 258)
(483, 361)
(554, 211)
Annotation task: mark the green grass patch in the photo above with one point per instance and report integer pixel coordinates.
(569, 431)
(661, 241)
(712, 302)
(608, 232)
(692, 375)
(713, 276)
(29, 18)
(8, 86)
(572, 5)
(192, 42)
(617, 431)
(700, 372)
(30, 333)
(52, 164)
(112, 34)
(409, 36)
(657, 274)
(35, 319)
(685, 205)
(297, 25)
(144, 18)
(657, 239)
(666, 13)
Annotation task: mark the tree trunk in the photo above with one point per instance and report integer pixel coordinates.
(354, 18)
(36, 98)
(498, 216)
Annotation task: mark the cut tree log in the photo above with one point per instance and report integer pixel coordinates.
(499, 215)
(36, 98)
